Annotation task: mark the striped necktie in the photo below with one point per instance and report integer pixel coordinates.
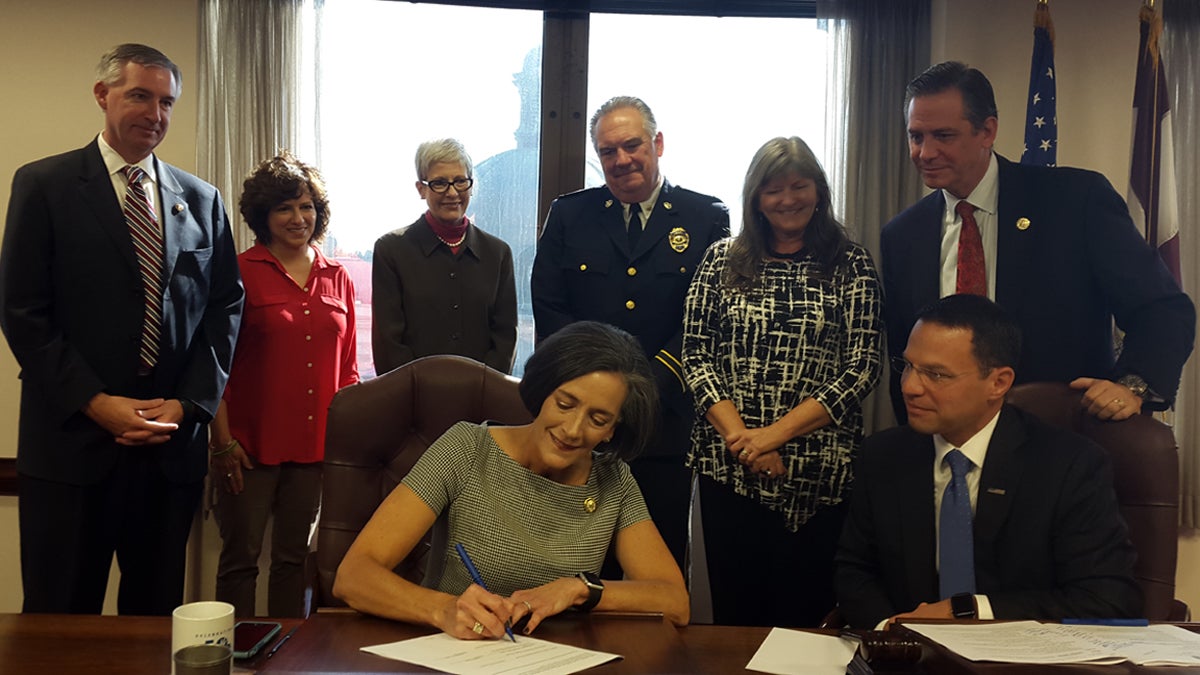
(148, 243)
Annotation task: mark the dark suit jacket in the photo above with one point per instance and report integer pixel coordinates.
(71, 306)
(426, 301)
(1080, 263)
(584, 270)
(1049, 539)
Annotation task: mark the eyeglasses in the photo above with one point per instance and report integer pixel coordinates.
(931, 378)
(440, 185)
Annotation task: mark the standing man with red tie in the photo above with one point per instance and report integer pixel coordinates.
(625, 254)
(1054, 246)
(120, 298)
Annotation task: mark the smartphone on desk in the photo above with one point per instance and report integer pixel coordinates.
(249, 637)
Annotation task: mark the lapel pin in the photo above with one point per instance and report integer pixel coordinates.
(608, 203)
(1022, 224)
(177, 209)
(996, 491)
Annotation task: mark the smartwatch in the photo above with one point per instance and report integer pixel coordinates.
(595, 590)
(962, 606)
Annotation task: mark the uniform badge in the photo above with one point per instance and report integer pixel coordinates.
(1022, 224)
(679, 239)
(667, 206)
(607, 203)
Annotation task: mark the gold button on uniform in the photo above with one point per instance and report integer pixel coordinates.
(629, 304)
(583, 267)
(632, 271)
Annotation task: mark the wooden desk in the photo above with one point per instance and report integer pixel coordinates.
(330, 643)
(326, 644)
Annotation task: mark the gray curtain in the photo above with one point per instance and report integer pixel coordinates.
(875, 49)
(250, 88)
(1181, 56)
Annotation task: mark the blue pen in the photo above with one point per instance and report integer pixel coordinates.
(1107, 622)
(462, 554)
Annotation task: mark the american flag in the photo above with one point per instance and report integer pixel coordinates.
(1041, 111)
(1152, 195)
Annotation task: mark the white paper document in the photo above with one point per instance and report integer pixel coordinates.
(1033, 642)
(788, 652)
(492, 657)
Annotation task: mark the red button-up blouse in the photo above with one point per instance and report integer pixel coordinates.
(296, 348)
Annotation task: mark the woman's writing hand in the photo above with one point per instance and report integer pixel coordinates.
(478, 614)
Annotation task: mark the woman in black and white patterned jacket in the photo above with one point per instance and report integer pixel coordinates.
(782, 341)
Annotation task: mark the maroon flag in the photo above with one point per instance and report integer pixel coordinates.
(1152, 194)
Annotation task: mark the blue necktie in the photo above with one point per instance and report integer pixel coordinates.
(957, 544)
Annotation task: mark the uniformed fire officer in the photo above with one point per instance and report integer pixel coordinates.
(625, 254)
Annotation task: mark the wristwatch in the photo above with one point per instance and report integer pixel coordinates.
(1135, 384)
(962, 606)
(595, 590)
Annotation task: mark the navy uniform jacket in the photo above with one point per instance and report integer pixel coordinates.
(1049, 539)
(71, 306)
(1069, 260)
(584, 270)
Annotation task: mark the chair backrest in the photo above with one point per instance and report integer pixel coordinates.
(1146, 477)
(377, 431)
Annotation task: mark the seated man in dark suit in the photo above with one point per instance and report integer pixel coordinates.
(976, 509)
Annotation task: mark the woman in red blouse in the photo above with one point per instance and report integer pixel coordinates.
(295, 349)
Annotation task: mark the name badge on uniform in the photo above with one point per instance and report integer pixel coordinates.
(679, 239)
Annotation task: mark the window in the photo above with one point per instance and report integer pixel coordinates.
(395, 74)
(719, 89)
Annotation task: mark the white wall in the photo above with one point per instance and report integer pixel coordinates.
(50, 48)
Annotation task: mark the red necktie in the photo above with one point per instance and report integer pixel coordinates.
(148, 244)
(972, 274)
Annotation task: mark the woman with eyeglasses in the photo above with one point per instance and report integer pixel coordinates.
(442, 285)
(782, 341)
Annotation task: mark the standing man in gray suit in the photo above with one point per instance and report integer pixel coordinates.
(120, 298)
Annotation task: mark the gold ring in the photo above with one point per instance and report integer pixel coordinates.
(768, 472)
(745, 453)
(229, 475)
(1120, 404)
(528, 606)
(478, 628)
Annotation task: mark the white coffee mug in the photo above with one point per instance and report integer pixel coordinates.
(201, 623)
